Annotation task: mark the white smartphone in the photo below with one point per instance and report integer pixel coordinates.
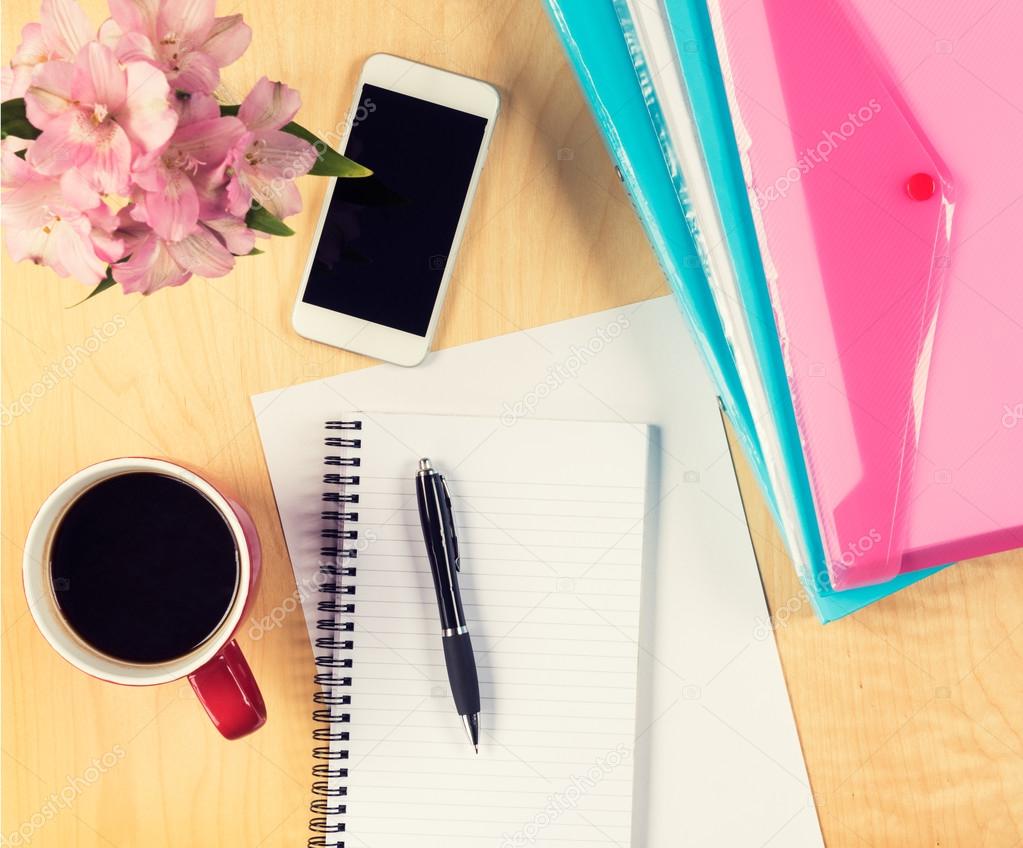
(385, 245)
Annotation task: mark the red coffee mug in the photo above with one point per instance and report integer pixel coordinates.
(217, 670)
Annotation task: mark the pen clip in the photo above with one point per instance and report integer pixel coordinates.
(451, 524)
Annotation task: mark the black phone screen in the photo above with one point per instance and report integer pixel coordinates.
(386, 238)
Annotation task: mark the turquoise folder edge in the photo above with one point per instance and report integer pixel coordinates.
(594, 43)
(621, 117)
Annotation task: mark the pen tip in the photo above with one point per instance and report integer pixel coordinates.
(477, 747)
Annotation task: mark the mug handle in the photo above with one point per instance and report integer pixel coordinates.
(226, 688)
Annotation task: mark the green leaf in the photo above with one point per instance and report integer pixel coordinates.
(102, 286)
(13, 120)
(329, 163)
(259, 219)
(255, 252)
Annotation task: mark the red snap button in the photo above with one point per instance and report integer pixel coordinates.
(921, 186)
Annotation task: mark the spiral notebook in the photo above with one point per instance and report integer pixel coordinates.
(550, 519)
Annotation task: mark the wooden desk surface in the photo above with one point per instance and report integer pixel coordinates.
(910, 713)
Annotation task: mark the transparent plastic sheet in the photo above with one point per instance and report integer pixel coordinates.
(854, 209)
(647, 33)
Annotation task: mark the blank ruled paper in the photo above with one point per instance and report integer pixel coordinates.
(550, 526)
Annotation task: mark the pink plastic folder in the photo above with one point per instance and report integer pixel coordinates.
(883, 145)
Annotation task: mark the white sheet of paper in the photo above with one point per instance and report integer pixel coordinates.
(717, 757)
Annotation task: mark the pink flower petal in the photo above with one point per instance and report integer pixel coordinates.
(280, 154)
(110, 33)
(32, 49)
(15, 81)
(136, 15)
(212, 197)
(147, 116)
(134, 47)
(105, 243)
(277, 196)
(9, 87)
(106, 247)
(98, 79)
(208, 142)
(56, 150)
(104, 154)
(149, 173)
(75, 253)
(63, 245)
(77, 191)
(25, 244)
(65, 27)
(189, 20)
(149, 268)
(173, 212)
(195, 107)
(228, 39)
(14, 170)
(27, 206)
(49, 95)
(129, 230)
(196, 72)
(31, 52)
(202, 253)
(102, 218)
(269, 106)
(232, 231)
(239, 198)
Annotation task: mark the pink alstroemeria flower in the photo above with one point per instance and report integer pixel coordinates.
(64, 30)
(95, 114)
(41, 225)
(155, 263)
(266, 160)
(173, 181)
(181, 37)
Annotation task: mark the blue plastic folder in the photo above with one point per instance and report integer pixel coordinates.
(610, 86)
(594, 42)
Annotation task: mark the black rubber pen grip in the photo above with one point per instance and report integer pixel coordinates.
(465, 685)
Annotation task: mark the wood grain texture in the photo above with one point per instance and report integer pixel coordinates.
(910, 713)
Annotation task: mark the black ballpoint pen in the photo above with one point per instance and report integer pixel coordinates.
(442, 550)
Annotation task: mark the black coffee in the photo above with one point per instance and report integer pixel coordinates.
(143, 567)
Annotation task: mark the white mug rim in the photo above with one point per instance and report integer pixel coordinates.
(54, 627)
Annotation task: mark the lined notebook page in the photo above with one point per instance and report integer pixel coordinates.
(550, 523)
